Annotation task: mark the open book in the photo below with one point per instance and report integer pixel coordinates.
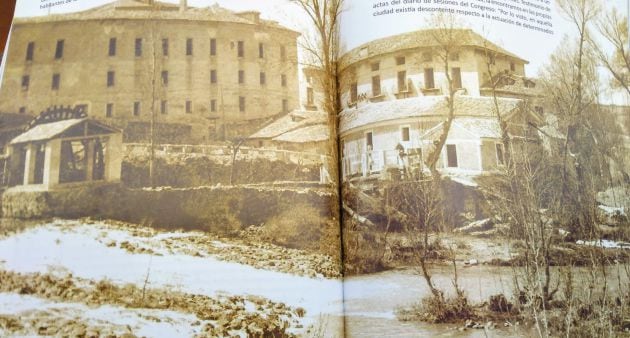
(316, 168)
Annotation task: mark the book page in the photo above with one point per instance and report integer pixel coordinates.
(484, 167)
(168, 170)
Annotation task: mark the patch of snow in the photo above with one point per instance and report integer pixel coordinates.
(604, 243)
(171, 324)
(77, 250)
(612, 211)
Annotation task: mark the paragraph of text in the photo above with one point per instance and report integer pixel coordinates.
(535, 15)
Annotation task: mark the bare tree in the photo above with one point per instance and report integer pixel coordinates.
(447, 40)
(613, 27)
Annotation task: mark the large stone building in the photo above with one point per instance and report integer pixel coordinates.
(394, 95)
(205, 72)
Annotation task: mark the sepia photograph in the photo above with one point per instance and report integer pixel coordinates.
(484, 194)
(168, 170)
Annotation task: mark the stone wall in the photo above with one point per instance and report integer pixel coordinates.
(213, 208)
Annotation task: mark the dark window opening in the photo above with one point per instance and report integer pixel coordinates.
(188, 107)
(112, 47)
(164, 47)
(369, 141)
(456, 78)
(376, 66)
(285, 106)
(109, 110)
(261, 50)
(111, 76)
(354, 92)
(30, 51)
(402, 81)
(22, 110)
(283, 80)
(400, 60)
(451, 154)
(405, 134)
(164, 107)
(56, 79)
(138, 47)
(59, 49)
(241, 104)
(136, 108)
(189, 46)
(241, 49)
(283, 53)
(213, 76)
(213, 105)
(165, 77)
(376, 85)
(241, 76)
(213, 47)
(429, 80)
(263, 78)
(26, 81)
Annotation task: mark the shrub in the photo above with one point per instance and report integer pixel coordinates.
(298, 228)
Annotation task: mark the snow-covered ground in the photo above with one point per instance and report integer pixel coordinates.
(64, 247)
(145, 322)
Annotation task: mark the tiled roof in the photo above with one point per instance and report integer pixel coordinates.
(480, 127)
(291, 122)
(514, 84)
(315, 133)
(138, 10)
(436, 106)
(418, 39)
(47, 131)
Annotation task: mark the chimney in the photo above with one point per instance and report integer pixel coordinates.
(183, 5)
(252, 16)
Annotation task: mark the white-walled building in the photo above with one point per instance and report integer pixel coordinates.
(394, 94)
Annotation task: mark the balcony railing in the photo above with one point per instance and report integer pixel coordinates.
(376, 162)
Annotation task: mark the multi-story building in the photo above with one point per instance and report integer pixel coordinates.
(207, 71)
(394, 95)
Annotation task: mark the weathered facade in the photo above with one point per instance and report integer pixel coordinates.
(409, 65)
(395, 100)
(218, 71)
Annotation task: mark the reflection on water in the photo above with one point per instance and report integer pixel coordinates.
(371, 300)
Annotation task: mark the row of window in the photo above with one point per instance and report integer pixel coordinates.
(451, 149)
(109, 107)
(111, 79)
(429, 82)
(428, 57)
(138, 42)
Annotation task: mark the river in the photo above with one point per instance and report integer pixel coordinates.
(371, 301)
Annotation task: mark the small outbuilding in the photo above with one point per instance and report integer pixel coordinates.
(56, 153)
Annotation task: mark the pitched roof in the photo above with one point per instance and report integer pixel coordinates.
(418, 39)
(315, 133)
(428, 106)
(290, 122)
(137, 10)
(47, 131)
(480, 127)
